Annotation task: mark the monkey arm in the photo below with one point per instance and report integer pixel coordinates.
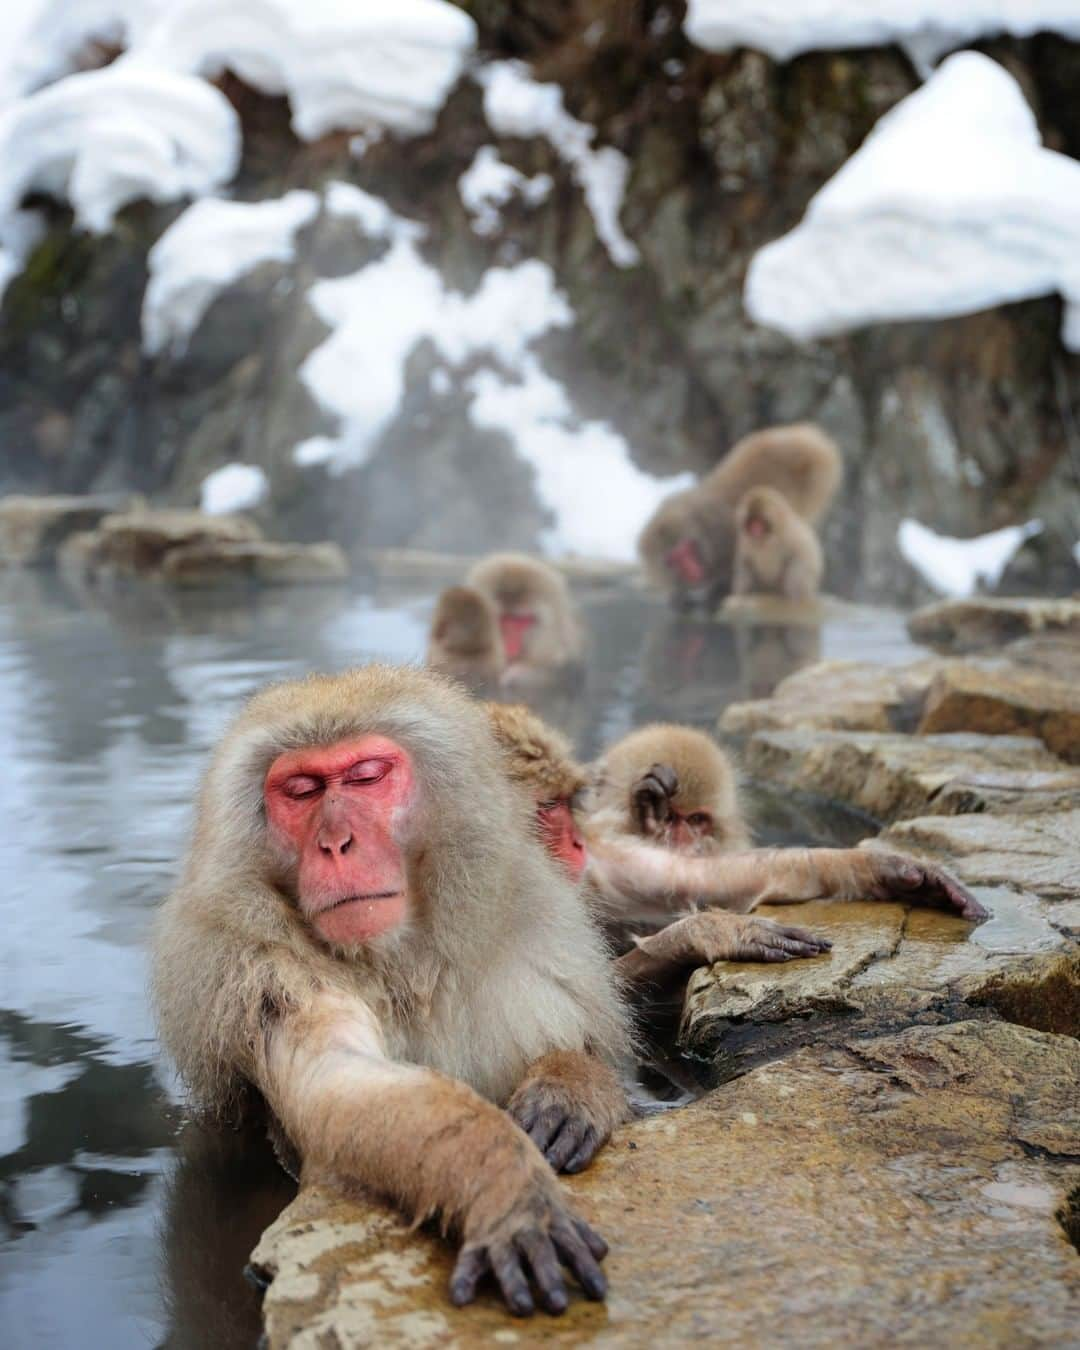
(430, 1144)
(568, 1104)
(637, 878)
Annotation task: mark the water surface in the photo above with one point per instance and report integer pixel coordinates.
(115, 1229)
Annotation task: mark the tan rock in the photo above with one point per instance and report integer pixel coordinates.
(897, 1190)
(988, 623)
(1057, 656)
(1005, 702)
(1038, 853)
(136, 544)
(892, 776)
(261, 562)
(836, 696)
(32, 529)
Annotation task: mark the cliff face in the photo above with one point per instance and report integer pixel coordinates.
(965, 425)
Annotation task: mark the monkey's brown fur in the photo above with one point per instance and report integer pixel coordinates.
(706, 782)
(800, 461)
(786, 560)
(376, 1061)
(515, 582)
(464, 640)
(538, 757)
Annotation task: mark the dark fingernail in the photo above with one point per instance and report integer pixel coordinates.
(596, 1286)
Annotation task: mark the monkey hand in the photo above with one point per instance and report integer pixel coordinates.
(555, 1119)
(535, 1234)
(896, 877)
(651, 798)
(714, 935)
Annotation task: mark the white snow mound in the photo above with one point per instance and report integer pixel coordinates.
(952, 205)
(206, 249)
(958, 567)
(233, 487)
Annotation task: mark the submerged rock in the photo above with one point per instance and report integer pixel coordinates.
(985, 623)
(1005, 702)
(259, 561)
(903, 1188)
(33, 529)
(891, 776)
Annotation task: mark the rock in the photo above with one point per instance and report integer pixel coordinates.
(891, 776)
(1005, 702)
(1037, 852)
(33, 529)
(260, 562)
(978, 625)
(1057, 656)
(136, 544)
(837, 696)
(903, 1189)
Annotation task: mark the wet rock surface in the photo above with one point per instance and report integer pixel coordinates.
(257, 562)
(987, 623)
(1003, 702)
(33, 529)
(904, 1187)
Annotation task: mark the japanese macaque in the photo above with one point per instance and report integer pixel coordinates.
(368, 936)
(465, 641)
(541, 634)
(688, 547)
(776, 551)
(669, 906)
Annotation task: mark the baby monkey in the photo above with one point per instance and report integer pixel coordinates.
(776, 551)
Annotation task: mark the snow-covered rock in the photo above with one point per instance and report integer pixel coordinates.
(233, 487)
(960, 567)
(951, 205)
(206, 249)
(489, 183)
(928, 28)
(517, 105)
(106, 137)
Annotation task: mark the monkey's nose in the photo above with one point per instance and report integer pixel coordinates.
(335, 844)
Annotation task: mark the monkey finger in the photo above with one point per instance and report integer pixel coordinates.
(958, 897)
(546, 1126)
(575, 1251)
(546, 1271)
(583, 1157)
(506, 1263)
(566, 1143)
(592, 1240)
(523, 1113)
(793, 934)
(472, 1265)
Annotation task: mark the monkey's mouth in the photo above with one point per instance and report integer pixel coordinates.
(352, 899)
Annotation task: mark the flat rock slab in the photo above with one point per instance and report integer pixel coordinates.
(902, 1189)
(137, 543)
(32, 529)
(986, 624)
(891, 776)
(962, 697)
(837, 696)
(259, 562)
(1038, 853)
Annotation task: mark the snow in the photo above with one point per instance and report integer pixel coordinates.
(952, 205)
(233, 487)
(517, 105)
(928, 28)
(207, 248)
(959, 567)
(489, 184)
(106, 137)
(371, 214)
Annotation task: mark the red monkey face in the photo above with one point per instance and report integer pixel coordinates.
(335, 813)
(686, 562)
(561, 837)
(757, 527)
(514, 628)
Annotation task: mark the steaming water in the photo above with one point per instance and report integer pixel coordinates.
(112, 1234)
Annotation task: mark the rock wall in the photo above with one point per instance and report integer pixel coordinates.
(965, 425)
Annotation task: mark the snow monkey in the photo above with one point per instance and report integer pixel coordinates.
(540, 630)
(368, 936)
(465, 641)
(776, 551)
(638, 879)
(688, 547)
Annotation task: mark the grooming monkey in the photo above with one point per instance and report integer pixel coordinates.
(644, 869)
(368, 936)
(538, 623)
(776, 551)
(688, 547)
(465, 641)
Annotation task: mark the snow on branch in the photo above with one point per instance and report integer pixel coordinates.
(952, 205)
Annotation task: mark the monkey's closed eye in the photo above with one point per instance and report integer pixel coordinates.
(368, 771)
(301, 785)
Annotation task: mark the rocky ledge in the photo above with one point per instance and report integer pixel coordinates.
(894, 1152)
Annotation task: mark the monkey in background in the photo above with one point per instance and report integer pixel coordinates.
(776, 551)
(644, 871)
(465, 641)
(367, 937)
(688, 547)
(541, 633)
